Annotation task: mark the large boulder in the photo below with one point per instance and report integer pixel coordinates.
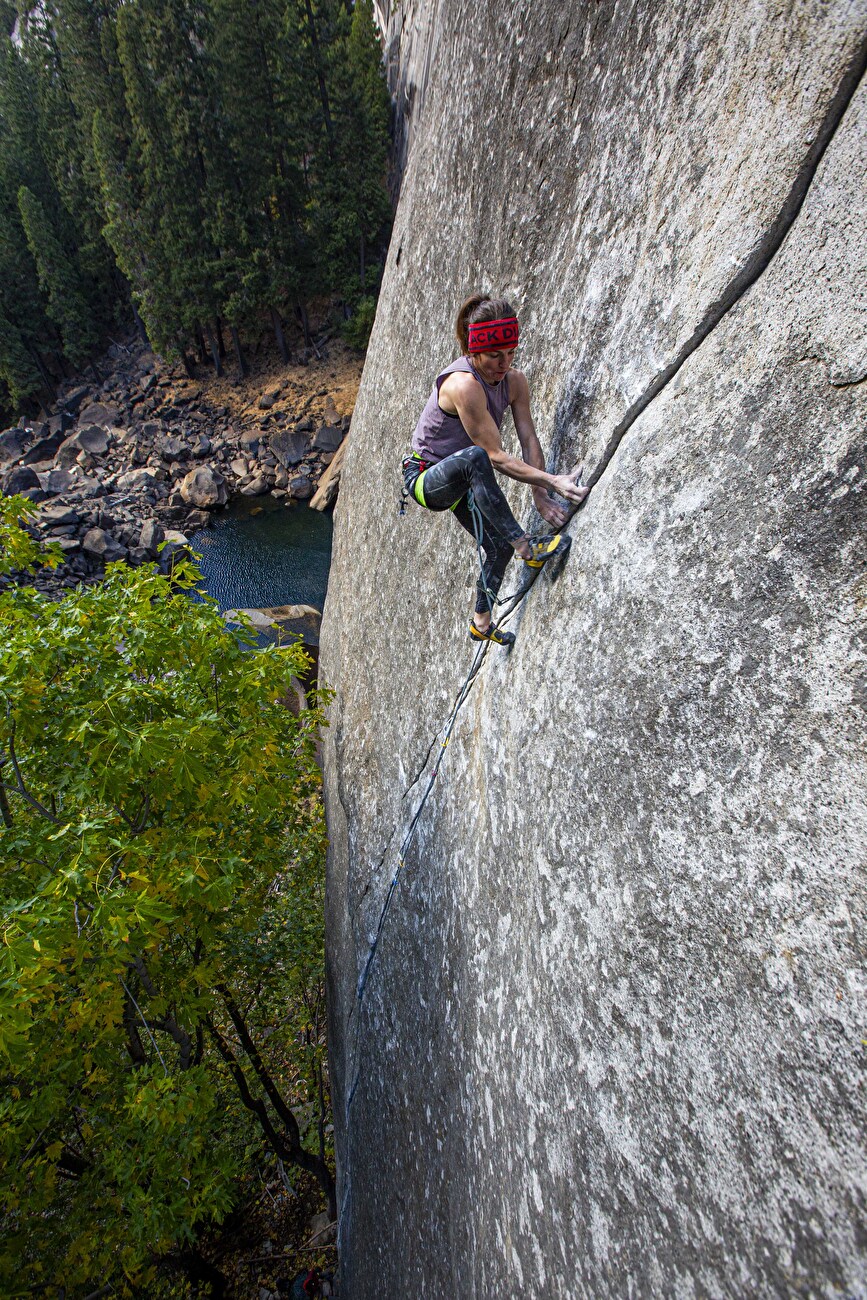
(99, 413)
(101, 545)
(152, 534)
(43, 449)
(11, 446)
(57, 481)
(326, 492)
(204, 487)
(611, 1041)
(136, 480)
(21, 481)
(329, 437)
(58, 516)
(249, 441)
(176, 548)
(91, 438)
(61, 422)
(284, 622)
(74, 400)
(173, 448)
(290, 447)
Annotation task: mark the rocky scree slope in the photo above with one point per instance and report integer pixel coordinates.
(143, 458)
(613, 1043)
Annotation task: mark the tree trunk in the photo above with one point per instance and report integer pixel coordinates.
(139, 324)
(218, 330)
(278, 333)
(200, 340)
(215, 351)
(243, 368)
(5, 810)
(185, 361)
(361, 266)
(304, 320)
(41, 367)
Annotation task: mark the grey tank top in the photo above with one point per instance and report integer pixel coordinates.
(439, 434)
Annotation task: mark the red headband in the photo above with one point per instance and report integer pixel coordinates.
(492, 335)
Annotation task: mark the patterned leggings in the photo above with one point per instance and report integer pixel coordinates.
(445, 486)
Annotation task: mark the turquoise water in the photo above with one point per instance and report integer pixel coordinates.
(279, 555)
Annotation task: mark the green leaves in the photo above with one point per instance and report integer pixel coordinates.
(163, 845)
(19, 549)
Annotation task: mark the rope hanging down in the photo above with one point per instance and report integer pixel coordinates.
(509, 606)
(460, 699)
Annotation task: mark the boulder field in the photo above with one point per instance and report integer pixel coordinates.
(141, 459)
(612, 1044)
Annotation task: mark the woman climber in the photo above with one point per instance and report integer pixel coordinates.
(457, 446)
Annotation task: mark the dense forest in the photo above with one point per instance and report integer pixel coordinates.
(204, 164)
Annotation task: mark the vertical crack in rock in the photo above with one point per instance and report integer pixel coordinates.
(756, 264)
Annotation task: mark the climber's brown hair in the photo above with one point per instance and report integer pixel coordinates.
(479, 307)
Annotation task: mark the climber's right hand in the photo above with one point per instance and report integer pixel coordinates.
(568, 487)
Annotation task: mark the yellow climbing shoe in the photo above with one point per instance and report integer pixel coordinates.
(492, 634)
(543, 549)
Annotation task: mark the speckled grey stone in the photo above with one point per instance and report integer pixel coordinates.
(612, 1045)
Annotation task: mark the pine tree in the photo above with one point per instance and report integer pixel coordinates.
(26, 331)
(59, 280)
(64, 141)
(18, 369)
(261, 71)
(354, 209)
(161, 46)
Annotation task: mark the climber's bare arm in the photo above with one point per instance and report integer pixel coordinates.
(466, 395)
(531, 450)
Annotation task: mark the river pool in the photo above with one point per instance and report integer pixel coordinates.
(260, 552)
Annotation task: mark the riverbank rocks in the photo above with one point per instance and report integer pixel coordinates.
(57, 481)
(140, 434)
(330, 481)
(204, 487)
(611, 1044)
(73, 400)
(92, 439)
(22, 480)
(52, 517)
(136, 480)
(101, 545)
(43, 449)
(152, 534)
(11, 446)
(100, 414)
(329, 438)
(289, 620)
(290, 448)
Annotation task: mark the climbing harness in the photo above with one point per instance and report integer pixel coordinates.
(415, 462)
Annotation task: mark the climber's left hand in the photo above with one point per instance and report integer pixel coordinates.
(548, 508)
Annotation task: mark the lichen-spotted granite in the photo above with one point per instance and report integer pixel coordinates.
(613, 1042)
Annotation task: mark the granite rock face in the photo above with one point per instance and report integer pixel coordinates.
(612, 1042)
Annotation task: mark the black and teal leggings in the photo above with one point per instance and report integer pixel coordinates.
(444, 486)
